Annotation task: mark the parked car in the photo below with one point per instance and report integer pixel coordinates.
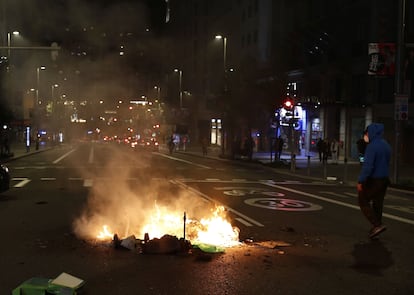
(4, 178)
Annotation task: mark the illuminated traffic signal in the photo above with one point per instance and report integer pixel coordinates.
(288, 104)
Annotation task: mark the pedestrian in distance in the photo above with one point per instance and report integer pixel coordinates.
(248, 147)
(334, 151)
(361, 145)
(171, 144)
(373, 179)
(204, 144)
(280, 144)
(326, 150)
(320, 147)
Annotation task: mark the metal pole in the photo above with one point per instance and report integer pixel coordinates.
(8, 45)
(398, 90)
(37, 88)
(223, 140)
(225, 62)
(292, 154)
(181, 89)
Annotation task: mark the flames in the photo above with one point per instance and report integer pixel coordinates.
(214, 229)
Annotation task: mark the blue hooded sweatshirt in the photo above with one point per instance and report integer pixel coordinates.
(377, 155)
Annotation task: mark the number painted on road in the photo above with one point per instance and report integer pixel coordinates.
(282, 204)
(241, 191)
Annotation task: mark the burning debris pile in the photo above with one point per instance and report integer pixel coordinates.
(212, 234)
(118, 212)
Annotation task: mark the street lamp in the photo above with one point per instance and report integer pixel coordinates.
(158, 92)
(38, 69)
(180, 81)
(53, 90)
(220, 37)
(14, 33)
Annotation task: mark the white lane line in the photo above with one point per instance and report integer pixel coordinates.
(390, 216)
(334, 194)
(62, 157)
(198, 193)
(181, 160)
(23, 181)
(241, 220)
(48, 178)
(91, 155)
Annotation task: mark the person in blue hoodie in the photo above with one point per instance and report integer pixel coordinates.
(373, 179)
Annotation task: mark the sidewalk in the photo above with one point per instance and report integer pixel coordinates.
(19, 150)
(308, 167)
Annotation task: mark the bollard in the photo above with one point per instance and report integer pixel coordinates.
(293, 163)
(345, 170)
(324, 169)
(309, 165)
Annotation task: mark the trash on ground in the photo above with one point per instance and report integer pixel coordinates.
(273, 244)
(64, 284)
(208, 248)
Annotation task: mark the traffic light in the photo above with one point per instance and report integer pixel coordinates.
(288, 104)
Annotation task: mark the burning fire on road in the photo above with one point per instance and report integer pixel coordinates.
(213, 229)
(154, 208)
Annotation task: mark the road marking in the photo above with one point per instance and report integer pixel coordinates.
(241, 220)
(409, 209)
(282, 204)
(23, 181)
(88, 182)
(206, 197)
(333, 194)
(48, 178)
(62, 157)
(181, 160)
(394, 197)
(390, 216)
(354, 195)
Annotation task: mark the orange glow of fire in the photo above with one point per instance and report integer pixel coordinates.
(213, 230)
(105, 233)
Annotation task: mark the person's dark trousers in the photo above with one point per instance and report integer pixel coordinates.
(371, 199)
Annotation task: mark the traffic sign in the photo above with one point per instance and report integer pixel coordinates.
(401, 107)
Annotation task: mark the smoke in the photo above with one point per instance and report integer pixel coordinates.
(129, 203)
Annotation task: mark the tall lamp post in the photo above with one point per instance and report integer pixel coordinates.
(38, 69)
(180, 81)
(220, 37)
(158, 88)
(53, 92)
(14, 33)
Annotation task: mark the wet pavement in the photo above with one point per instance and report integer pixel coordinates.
(310, 167)
(305, 166)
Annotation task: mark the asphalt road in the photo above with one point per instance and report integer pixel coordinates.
(299, 236)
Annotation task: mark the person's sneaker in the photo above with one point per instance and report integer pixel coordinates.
(376, 231)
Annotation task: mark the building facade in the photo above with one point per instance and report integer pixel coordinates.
(313, 51)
